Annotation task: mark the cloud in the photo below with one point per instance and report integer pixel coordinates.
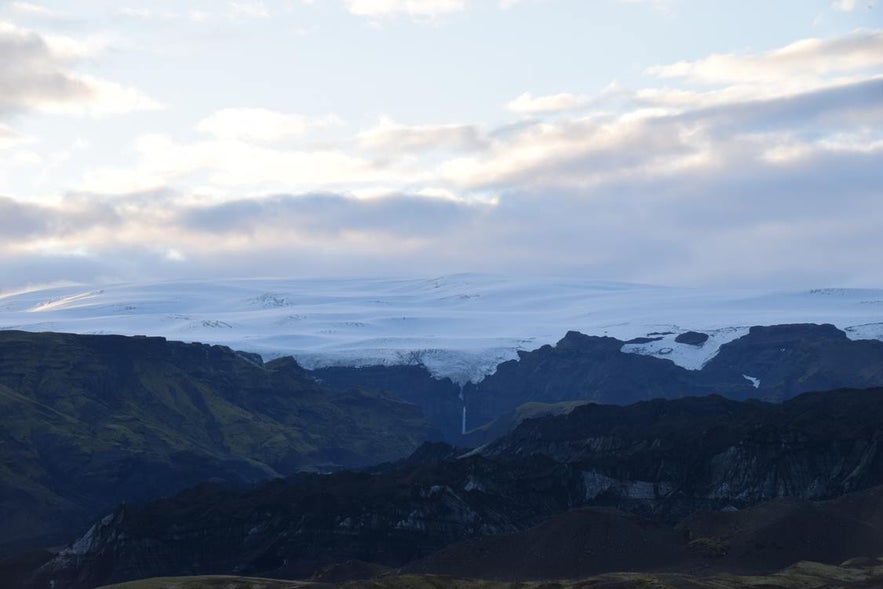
(844, 5)
(528, 104)
(231, 165)
(732, 185)
(9, 138)
(332, 215)
(247, 9)
(412, 8)
(32, 10)
(36, 75)
(807, 59)
(260, 125)
(389, 135)
(143, 13)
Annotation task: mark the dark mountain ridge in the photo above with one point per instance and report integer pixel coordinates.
(670, 458)
(87, 422)
(785, 360)
(660, 461)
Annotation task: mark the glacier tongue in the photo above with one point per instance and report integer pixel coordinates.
(459, 326)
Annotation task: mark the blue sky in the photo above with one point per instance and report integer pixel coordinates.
(667, 141)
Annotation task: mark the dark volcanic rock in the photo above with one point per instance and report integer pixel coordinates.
(786, 360)
(772, 535)
(575, 544)
(671, 458)
(658, 460)
(294, 529)
(793, 359)
(692, 338)
(756, 540)
(643, 340)
(581, 367)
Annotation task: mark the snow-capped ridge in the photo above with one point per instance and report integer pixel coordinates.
(459, 326)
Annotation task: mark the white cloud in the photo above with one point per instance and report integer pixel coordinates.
(844, 5)
(144, 13)
(412, 8)
(9, 138)
(32, 9)
(36, 74)
(228, 166)
(389, 135)
(528, 104)
(150, 14)
(247, 9)
(260, 125)
(808, 59)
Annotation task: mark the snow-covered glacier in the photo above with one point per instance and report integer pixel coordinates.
(459, 326)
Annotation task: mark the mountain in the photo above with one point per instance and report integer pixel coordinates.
(756, 540)
(641, 469)
(88, 422)
(771, 363)
(293, 529)
(459, 326)
(671, 458)
(439, 399)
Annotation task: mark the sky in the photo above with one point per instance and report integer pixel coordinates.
(675, 142)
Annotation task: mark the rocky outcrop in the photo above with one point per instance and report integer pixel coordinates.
(579, 367)
(294, 529)
(692, 338)
(787, 360)
(671, 458)
(769, 363)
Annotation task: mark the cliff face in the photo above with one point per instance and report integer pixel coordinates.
(87, 422)
(782, 361)
(670, 458)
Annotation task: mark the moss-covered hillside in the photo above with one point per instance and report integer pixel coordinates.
(87, 422)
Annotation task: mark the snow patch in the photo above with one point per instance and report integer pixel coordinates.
(755, 382)
(689, 356)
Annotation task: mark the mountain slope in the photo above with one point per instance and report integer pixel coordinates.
(671, 458)
(770, 363)
(655, 462)
(757, 540)
(859, 573)
(89, 421)
(292, 529)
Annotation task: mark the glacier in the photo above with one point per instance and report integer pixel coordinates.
(459, 326)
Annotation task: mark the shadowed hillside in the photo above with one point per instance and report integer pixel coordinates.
(87, 422)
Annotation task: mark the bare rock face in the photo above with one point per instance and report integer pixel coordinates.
(671, 458)
(692, 338)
